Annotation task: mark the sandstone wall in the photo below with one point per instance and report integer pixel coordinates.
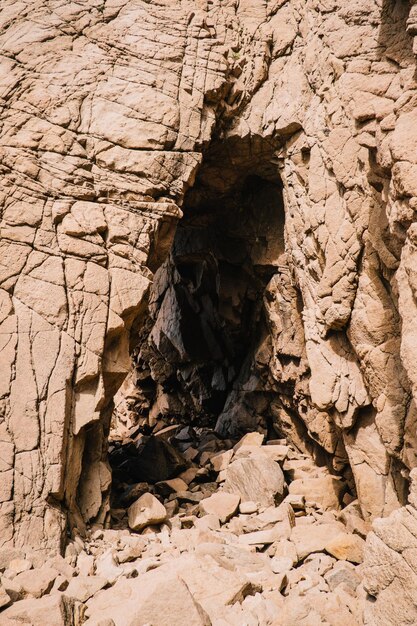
(107, 108)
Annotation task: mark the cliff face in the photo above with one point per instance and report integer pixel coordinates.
(287, 132)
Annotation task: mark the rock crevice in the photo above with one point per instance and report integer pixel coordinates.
(119, 120)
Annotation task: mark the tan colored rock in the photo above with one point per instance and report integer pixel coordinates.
(314, 537)
(250, 439)
(347, 547)
(255, 478)
(12, 588)
(54, 609)
(59, 564)
(174, 485)
(5, 599)
(144, 600)
(248, 507)
(147, 510)
(81, 588)
(221, 460)
(211, 584)
(262, 537)
(222, 505)
(94, 173)
(324, 491)
(19, 565)
(36, 582)
(280, 565)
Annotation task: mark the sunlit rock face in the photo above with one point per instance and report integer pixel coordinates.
(285, 299)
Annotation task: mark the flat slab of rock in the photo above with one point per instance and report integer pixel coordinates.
(261, 537)
(311, 538)
(147, 510)
(223, 505)
(36, 582)
(81, 588)
(158, 597)
(256, 478)
(347, 547)
(211, 585)
(55, 609)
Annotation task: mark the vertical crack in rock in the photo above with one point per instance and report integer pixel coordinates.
(286, 131)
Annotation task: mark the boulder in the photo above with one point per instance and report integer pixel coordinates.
(309, 538)
(81, 588)
(147, 510)
(132, 493)
(167, 487)
(211, 584)
(250, 439)
(323, 491)
(262, 537)
(343, 573)
(223, 505)
(36, 582)
(55, 609)
(256, 478)
(158, 597)
(221, 460)
(346, 547)
(248, 507)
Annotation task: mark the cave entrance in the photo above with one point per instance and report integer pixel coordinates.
(203, 356)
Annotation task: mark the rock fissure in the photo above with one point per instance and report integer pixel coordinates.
(281, 301)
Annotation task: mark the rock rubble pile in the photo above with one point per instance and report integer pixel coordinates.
(254, 534)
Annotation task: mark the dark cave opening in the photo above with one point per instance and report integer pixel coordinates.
(221, 349)
(201, 354)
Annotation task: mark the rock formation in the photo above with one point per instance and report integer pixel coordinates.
(206, 555)
(225, 192)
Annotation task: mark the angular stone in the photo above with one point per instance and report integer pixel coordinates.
(248, 507)
(81, 588)
(324, 491)
(59, 564)
(144, 600)
(36, 582)
(262, 537)
(250, 439)
(54, 609)
(280, 565)
(223, 505)
(311, 538)
(166, 487)
(12, 588)
(221, 460)
(147, 510)
(343, 573)
(256, 478)
(19, 565)
(346, 547)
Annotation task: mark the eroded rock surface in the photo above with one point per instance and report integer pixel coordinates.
(287, 129)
